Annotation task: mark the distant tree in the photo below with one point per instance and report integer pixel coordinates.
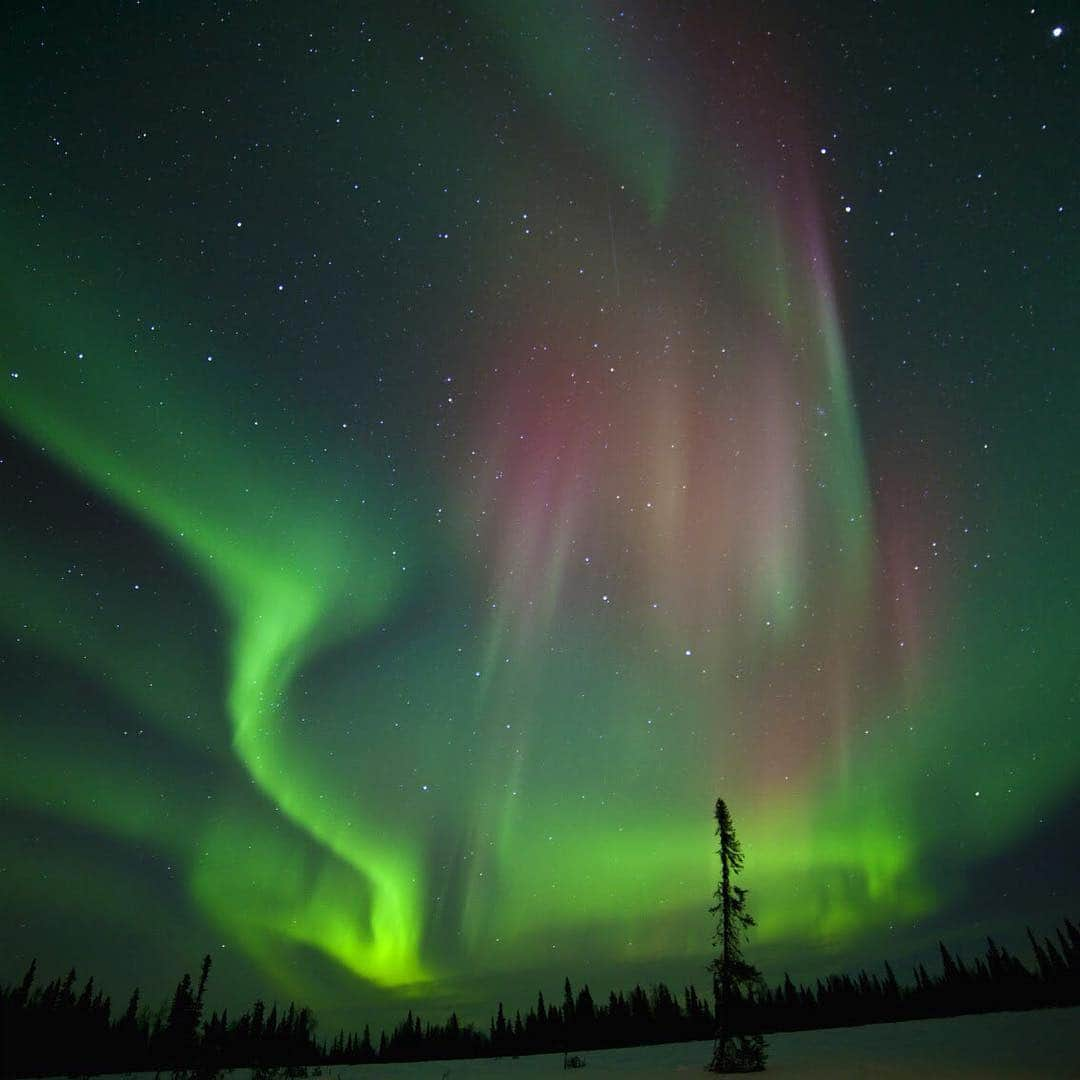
(734, 980)
(499, 1031)
(568, 1004)
(22, 995)
(367, 1052)
(585, 1008)
(890, 986)
(952, 970)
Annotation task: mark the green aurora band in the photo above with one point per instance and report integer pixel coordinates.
(286, 590)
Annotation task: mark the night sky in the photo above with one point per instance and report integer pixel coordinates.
(444, 447)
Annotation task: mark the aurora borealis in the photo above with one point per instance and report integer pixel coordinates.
(445, 449)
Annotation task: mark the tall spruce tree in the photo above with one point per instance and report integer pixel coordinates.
(734, 980)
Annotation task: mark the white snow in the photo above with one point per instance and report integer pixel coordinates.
(1042, 1044)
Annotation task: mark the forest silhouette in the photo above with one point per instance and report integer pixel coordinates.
(60, 1028)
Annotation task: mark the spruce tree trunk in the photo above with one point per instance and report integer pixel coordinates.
(725, 954)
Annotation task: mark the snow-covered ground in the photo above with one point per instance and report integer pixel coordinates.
(1043, 1044)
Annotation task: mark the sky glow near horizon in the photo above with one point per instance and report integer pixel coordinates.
(414, 535)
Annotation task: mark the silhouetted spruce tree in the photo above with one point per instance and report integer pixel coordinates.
(585, 1010)
(499, 1031)
(732, 975)
(366, 1051)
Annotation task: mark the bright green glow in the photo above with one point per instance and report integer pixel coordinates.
(268, 894)
(289, 586)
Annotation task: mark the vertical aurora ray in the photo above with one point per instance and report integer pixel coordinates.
(697, 471)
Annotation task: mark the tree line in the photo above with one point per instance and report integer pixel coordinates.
(61, 1028)
(58, 1029)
